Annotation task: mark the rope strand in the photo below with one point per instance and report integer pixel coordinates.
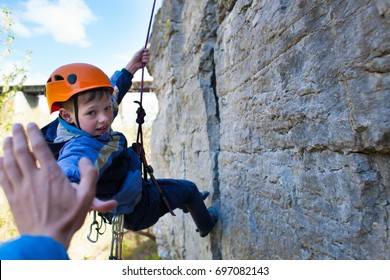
(141, 111)
(146, 45)
(139, 145)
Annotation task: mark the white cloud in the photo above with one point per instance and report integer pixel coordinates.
(65, 20)
(20, 29)
(8, 67)
(35, 78)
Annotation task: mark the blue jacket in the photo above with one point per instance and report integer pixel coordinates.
(28, 247)
(119, 167)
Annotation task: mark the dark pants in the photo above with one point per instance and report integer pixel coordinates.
(180, 194)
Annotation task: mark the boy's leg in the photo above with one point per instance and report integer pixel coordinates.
(147, 211)
(185, 194)
(203, 195)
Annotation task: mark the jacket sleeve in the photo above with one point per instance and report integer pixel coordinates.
(100, 152)
(71, 154)
(121, 81)
(28, 247)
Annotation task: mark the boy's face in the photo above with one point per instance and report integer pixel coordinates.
(96, 117)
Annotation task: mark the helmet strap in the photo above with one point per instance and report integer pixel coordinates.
(76, 110)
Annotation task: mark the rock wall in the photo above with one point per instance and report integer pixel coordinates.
(281, 109)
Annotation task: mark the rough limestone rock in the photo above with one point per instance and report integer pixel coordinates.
(281, 109)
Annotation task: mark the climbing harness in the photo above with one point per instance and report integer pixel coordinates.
(118, 220)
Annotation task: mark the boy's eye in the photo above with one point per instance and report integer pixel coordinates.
(91, 113)
(108, 108)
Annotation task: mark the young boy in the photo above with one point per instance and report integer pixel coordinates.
(87, 104)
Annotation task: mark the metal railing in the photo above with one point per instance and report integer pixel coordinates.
(40, 89)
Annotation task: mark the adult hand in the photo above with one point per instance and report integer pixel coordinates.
(42, 200)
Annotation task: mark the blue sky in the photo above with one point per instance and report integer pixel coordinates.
(105, 33)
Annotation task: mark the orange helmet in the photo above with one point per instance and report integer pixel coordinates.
(71, 79)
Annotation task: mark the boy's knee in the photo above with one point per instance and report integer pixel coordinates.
(192, 188)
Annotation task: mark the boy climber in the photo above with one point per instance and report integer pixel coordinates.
(87, 103)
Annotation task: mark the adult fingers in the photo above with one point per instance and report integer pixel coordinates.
(10, 164)
(39, 146)
(103, 206)
(22, 152)
(87, 186)
(4, 182)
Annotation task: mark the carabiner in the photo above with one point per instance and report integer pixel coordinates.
(117, 237)
(96, 224)
(102, 222)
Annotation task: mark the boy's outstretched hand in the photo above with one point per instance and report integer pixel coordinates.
(139, 60)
